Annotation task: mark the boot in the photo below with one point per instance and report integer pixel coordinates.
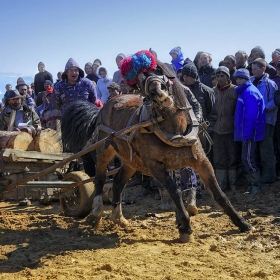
(254, 183)
(191, 202)
(232, 174)
(221, 176)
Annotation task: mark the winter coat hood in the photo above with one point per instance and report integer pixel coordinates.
(72, 63)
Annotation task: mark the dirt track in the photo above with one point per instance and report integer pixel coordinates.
(38, 242)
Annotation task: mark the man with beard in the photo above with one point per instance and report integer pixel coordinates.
(16, 112)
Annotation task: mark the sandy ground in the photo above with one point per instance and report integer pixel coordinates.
(39, 242)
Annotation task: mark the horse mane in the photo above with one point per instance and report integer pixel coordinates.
(78, 124)
(177, 89)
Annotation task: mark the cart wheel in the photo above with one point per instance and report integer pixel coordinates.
(77, 202)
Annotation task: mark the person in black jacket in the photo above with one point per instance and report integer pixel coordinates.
(41, 77)
(258, 52)
(206, 70)
(203, 94)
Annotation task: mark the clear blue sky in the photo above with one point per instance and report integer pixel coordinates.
(53, 31)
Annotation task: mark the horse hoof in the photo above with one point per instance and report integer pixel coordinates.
(122, 222)
(192, 210)
(186, 238)
(92, 220)
(245, 227)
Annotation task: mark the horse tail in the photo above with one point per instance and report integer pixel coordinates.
(78, 124)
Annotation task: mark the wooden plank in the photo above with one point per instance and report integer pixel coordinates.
(79, 154)
(13, 155)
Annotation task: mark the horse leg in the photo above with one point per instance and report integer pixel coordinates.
(119, 181)
(182, 216)
(206, 173)
(103, 158)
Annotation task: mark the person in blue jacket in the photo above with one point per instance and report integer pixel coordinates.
(73, 87)
(177, 58)
(249, 126)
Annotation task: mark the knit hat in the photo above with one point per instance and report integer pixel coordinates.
(258, 50)
(48, 82)
(114, 85)
(20, 80)
(223, 69)
(21, 84)
(242, 73)
(41, 64)
(190, 70)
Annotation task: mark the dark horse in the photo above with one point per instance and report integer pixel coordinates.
(164, 146)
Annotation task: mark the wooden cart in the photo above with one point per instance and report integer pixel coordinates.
(23, 170)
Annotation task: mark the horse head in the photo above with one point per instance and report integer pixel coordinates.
(156, 88)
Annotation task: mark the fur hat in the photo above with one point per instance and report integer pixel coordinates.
(190, 70)
(258, 50)
(114, 85)
(223, 69)
(242, 73)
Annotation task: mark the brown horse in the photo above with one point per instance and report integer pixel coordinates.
(165, 146)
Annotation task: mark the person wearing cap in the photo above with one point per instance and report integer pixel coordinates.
(41, 77)
(22, 87)
(267, 88)
(203, 94)
(73, 87)
(230, 63)
(117, 77)
(249, 127)
(241, 58)
(16, 112)
(206, 70)
(258, 52)
(114, 90)
(102, 84)
(48, 85)
(225, 152)
(49, 116)
(8, 87)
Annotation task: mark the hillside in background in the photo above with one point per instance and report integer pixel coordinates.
(11, 78)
